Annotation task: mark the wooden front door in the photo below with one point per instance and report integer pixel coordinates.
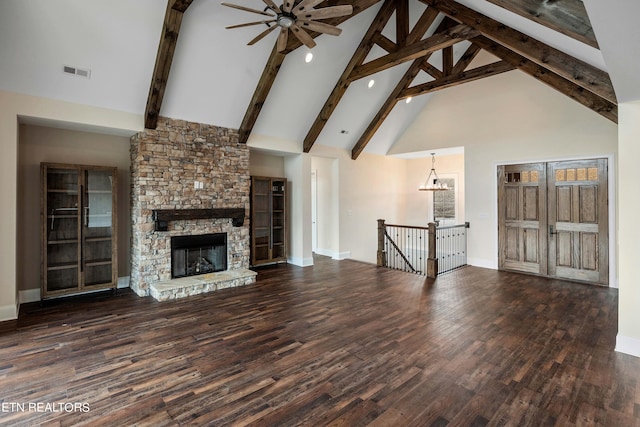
(522, 217)
(578, 220)
(552, 219)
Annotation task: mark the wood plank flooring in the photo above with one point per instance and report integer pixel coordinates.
(342, 343)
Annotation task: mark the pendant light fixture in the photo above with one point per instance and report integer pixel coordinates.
(433, 183)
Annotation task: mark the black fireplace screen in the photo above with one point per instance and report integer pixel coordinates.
(201, 254)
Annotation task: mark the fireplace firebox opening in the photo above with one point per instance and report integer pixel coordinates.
(200, 254)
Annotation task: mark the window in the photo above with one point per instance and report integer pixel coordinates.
(444, 202)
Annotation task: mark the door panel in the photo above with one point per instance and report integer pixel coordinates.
(578, 191)
(552, 219)
(522, 217)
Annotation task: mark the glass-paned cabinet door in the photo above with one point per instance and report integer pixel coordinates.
(61, 228)
(79, 238)
(98, 216)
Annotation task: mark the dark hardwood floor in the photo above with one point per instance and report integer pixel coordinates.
(340, 343)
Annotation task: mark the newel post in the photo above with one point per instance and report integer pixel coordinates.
(382, 256)
(432, 260)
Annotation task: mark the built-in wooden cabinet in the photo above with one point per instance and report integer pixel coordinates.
(268, 220)
(79, 229)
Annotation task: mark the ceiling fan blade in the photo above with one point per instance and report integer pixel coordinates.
(283, 37)
(327, 12)
(319, 27)
(247, 9)
(287, 5)
(272, 6)
(303, 36)
(249, 24)
(262, 35)
(305, 5)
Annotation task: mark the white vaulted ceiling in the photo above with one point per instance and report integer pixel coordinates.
(214, 73)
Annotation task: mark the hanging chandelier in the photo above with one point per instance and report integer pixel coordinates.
(433, 183)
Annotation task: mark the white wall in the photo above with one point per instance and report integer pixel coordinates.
(510, 118)
(11, 107)
(44, 144)
(265, 164)
(327, 206)
(419, 204)
(628, 340)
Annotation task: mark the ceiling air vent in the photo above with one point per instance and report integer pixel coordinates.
(77, 71)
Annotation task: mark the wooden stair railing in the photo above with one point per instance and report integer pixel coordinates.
(419, 249)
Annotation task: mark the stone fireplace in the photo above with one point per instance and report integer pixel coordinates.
(187, 179)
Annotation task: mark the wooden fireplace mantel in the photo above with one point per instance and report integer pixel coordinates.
(161, 217)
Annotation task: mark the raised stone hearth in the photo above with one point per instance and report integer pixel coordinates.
(184, 168)
(194, 285)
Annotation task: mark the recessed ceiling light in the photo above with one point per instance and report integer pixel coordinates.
(308, 58)
(371, 83)
(408, 100)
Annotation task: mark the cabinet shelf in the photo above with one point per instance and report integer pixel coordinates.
(66, 266)
(98, 239)
(62, 191)
(96, 262)
(62, 242)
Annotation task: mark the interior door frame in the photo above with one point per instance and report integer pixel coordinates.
(611, 208)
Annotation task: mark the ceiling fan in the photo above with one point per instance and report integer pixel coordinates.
(297, 16)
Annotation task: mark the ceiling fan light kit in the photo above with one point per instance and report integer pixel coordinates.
(295, 16)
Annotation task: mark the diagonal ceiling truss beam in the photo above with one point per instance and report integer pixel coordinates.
(572, 69)
(590, 100)
(372, 36)
(341, 87)
(275, 61)
(417, 50)
(407, 79)
(164, 58)
(457, 76)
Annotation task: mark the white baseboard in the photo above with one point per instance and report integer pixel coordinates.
(29, 295)
(323, 252)
(628, 345)
(481, 262)
(333, 254)
(123, 282)
(8, 312)
(301, 262)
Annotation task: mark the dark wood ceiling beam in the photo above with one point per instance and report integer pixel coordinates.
(180, 5)
(392, 99)
(402, 22)
(378, 24)
(458, 79)
(432, 70)
(590, 100)
(260, 94)
(275, 61)
(384, 42)
(447, 60)
(579, 72)
(568, 17)
(421, 27)
(417, 50)
(467, 57)
(164, 58)
(385, 110)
